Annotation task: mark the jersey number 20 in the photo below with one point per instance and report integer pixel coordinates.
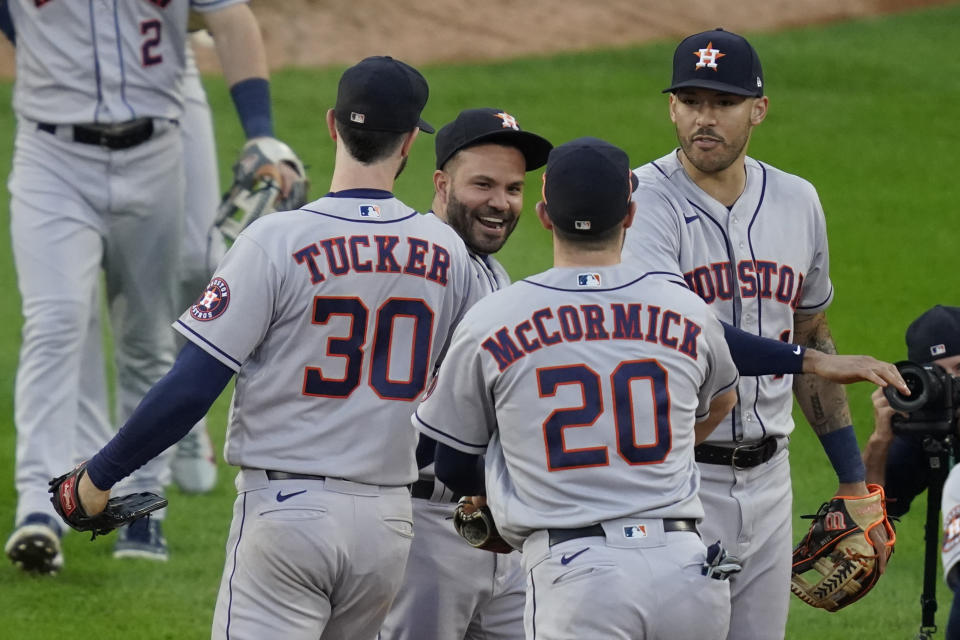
(559, 457)
(350, 348)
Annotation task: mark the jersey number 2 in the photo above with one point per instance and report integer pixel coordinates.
(148, 55)
(559, 457)
(350, 348)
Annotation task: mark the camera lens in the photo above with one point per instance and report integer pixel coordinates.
(923, 385)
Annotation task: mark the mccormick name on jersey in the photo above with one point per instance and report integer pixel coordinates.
(375, 254)
(754, 278)
(569, 323)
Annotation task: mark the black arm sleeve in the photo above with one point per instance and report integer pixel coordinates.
(166, 414)
(758, 356)
(462, 472)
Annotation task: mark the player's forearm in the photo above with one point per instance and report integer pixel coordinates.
(719, 409)
(239, 44)
(824, 403)
(875, 458)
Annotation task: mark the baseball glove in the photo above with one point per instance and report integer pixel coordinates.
(256, 188)
(118, 512)
(839, 552)
(476, 526)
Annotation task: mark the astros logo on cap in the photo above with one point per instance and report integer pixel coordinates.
(509, 122)
(708, 57)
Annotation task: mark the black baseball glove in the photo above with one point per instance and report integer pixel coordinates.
(118, 512)
(476, 526)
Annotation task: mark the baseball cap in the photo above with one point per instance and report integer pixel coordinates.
(718, 60)
(934, 335)
(486, 125)
(587, 186)
(382, 94)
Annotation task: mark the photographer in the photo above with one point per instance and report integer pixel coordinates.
(896, 455)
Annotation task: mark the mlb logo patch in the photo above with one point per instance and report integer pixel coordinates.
(369, 211)
(938, 349)
(357, 117)
(581, 225)
(588, 279)
(635, 531)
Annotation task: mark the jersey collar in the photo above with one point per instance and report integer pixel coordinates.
(368, 194)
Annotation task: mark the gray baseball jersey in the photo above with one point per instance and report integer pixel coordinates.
(950, 511)
(132, 56)
(582, 388)
(755, 264)
(334, 317)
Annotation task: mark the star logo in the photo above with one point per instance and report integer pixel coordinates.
(509, 122)
(708, 57)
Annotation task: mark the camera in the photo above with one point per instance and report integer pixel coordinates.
(932, 405)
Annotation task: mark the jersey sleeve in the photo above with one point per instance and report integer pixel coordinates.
(721, 375)
(231, 318)
(205, 6)
(459, 410)
(817, 293)
(652, 242)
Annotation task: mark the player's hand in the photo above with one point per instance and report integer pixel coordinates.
(92, 499)
(847, 369)
(882, 417)
(878, 535)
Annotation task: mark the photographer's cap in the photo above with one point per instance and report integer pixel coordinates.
(496, 126)
(587, 186)
(382, 94)
(934, 335)
(718, 60)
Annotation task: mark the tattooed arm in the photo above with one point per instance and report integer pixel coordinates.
(824, 403)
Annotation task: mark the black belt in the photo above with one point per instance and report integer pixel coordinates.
(423, 489)
(556, 536)
(283, 475)
(743, 456)
(122, 135)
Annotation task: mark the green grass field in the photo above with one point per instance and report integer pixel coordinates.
(864, 110)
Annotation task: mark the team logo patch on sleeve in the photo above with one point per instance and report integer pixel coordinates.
(369, 211)
(588, 280)
(951, 530)
(213, 302)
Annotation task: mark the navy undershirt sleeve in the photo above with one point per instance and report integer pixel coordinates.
(426, 450)
(166, 414)
(6, 23)
(462, 472)
(758, 356)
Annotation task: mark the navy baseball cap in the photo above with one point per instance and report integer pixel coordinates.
(587, 186)
(496, 126)
(718, 60)
(934, 335)
(382, 94)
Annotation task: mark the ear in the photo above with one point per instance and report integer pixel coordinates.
(759, 111)
(331, 125)
(441, 184)
(631, 212)
(542, 215)
(408, 143)
(672, 108)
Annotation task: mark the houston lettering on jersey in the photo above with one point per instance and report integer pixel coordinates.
(760, 278)
(374, 254)
(569, 323)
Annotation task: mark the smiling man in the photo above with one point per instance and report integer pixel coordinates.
(751, 241)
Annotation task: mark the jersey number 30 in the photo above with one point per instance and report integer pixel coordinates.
(350, 348)
(559, 457)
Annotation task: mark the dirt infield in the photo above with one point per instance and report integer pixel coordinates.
(322, 32)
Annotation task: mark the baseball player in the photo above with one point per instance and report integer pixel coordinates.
(751, 241)
(332, 317)
(586, 387)
(450, 590)
(97, 181)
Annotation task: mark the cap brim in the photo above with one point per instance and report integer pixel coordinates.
(634, 181)
(425, 126)
(535, 149)
(715, 86)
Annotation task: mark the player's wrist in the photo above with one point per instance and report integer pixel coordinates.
(844, 453)
(251, 97)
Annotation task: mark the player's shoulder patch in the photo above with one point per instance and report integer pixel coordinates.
(951, 529)
(213, 302)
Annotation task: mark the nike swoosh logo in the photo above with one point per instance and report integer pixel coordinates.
(565, 559)
(281, 497)
(690, 219)
(797, 350)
